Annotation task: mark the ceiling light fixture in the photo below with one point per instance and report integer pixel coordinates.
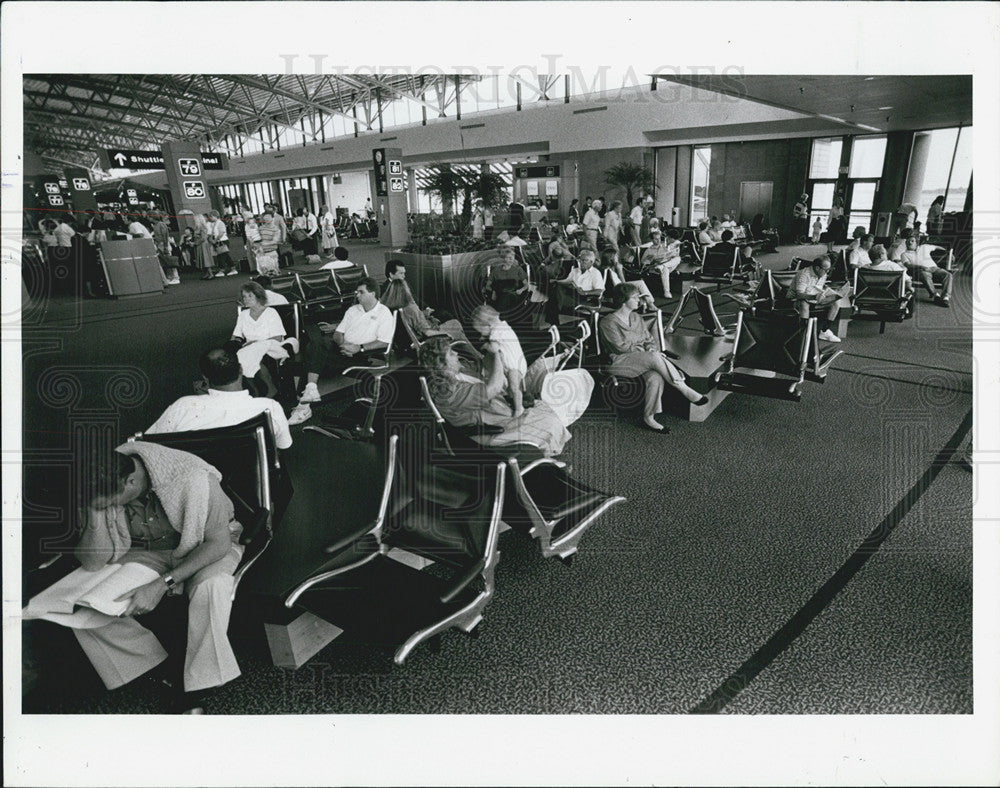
(883, 108)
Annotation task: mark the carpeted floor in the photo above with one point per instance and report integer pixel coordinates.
(729, 581)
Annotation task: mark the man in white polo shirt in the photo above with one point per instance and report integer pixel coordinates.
(367, 327)
(225, 404)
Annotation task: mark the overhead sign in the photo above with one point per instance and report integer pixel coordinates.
(55, 199)
(194, 190)
(52, 188)
(214, 161)
(81, 184)
(396, 184)
(545, 171)
(153, 160)
(190, 168)
(131, 192)
(395, 167)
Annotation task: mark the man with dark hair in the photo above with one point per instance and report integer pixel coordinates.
(857, 251)
(340, 259)
(367, 327)
(224, 404)
(726, 245)
(166, 510)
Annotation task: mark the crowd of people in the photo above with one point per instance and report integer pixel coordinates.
(161, 508)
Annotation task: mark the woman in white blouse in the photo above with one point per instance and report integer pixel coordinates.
(259, 333)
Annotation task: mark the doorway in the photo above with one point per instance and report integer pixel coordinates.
(755, 197)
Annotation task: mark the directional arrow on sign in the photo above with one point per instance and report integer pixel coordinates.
(121, 159)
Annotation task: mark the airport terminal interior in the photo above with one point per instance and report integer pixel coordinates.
(528, 395)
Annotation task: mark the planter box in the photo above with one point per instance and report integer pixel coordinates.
(452, 282)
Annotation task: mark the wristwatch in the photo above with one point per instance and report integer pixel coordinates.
(169, 580)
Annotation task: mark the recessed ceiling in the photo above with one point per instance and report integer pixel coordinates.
(914, 102)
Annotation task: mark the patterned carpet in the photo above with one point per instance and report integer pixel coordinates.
(730, 527)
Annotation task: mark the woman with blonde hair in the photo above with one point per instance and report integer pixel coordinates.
(464, 400)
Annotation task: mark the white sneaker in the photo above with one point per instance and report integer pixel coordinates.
(829, 336)
(310, 393)
(299, 414)
(173, 281)
(232, 273)
(219, 274)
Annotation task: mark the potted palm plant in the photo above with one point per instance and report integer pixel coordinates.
(631, 177)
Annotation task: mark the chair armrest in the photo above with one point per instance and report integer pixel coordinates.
(258, 522)
(480, 429)
(346, 541)
(463, 582)
(670, 354)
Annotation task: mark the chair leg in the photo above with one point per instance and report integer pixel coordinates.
(881, 327)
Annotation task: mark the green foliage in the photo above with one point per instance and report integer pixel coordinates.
(446, 184)
(631, 177)
(446, 243)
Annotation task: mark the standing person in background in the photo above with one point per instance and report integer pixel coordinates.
(573, 216)
(478, 225)
(188, 252)
(138, 229)
(592, 222)
(202, 245)
(251, 233)
(266, 254)
(935, 216)
(516, 213)
(487, 223)
(47, 228)
(161, 240)
(634, 225)
(312, 232)
(328, 223)
(613, 223)
(64, 232)
(800, 219)
(836, 225)
(906, 216)
(219, 238)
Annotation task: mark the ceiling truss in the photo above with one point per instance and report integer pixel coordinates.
(71, 118)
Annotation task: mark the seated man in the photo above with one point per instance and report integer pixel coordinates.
(881, 262)
(340, 255)
(898, 245)
(809, 287)
(367, 327)
(858, 249)
(918, 257)
(726, 245)
(704, 238)
(586, 278)
(662, 257)
(165, 509)
(225, 402)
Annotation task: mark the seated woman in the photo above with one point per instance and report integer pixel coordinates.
(399, 299)
(506, 280)
(610, 262)
(747, 263)
(466, 400)
(633, 353)
(258, 337)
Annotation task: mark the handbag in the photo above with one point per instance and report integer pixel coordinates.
(298, 235)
